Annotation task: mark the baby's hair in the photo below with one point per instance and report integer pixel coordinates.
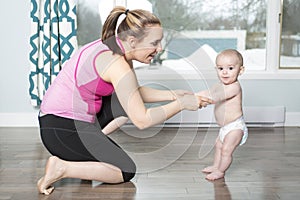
(134, 24)
(232, 52)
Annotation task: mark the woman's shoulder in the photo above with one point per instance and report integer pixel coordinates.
(108, 58)
(109, 63)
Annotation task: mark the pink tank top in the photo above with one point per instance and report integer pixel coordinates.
(77, 91)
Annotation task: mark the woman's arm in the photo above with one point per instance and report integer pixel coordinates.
(150, 95)
(127, 89)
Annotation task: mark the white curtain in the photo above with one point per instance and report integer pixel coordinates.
(53, 40)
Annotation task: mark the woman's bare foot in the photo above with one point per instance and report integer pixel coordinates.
(54, 171)
(209, 169)
(215, 175)
(43, 190)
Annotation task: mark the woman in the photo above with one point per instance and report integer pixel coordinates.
(68, 119)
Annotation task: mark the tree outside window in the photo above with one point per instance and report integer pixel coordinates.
(290, 35)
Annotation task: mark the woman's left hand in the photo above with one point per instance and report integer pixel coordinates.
(178, 93)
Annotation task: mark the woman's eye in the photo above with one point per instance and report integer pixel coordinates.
(154, 43)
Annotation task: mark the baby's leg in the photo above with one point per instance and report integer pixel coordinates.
(231, 141)
(114, 124)
(217, 158)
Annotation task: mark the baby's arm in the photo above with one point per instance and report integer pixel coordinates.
(220, 92)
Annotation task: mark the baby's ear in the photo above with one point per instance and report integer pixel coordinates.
(242, 69)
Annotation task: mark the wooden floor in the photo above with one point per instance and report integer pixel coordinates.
(169, 164)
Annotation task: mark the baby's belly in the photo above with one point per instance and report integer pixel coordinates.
(223, 118)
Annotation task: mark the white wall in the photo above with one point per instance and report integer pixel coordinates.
(15, 107)
(14, 49)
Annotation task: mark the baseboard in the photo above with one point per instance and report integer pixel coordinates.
(292, 119)
(31, 120)
(19, 119)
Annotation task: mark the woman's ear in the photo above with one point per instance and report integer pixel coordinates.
(131, 41)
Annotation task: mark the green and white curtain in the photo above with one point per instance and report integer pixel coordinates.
(53, 40)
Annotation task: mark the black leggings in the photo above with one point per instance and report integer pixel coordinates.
(74, 140)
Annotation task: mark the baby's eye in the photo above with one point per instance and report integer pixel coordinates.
(230, 68)
(220, 68)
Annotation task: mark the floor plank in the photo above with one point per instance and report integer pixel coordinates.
(170, 162)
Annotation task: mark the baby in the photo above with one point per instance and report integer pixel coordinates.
(227, 95)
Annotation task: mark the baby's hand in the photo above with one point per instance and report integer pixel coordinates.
(204, 101)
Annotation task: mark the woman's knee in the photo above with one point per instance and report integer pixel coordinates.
(129, 171)
(127, 176)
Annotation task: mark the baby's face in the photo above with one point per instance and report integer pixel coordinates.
(228, 69)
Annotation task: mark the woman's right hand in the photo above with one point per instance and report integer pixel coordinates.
(193, 102)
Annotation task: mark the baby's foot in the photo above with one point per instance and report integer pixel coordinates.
(209, 169)
(215, 175)
(54, 171)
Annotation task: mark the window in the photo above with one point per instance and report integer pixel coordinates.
(91, 15)
(251, 26)
(290, 35)
(215, 25)
(89, 24)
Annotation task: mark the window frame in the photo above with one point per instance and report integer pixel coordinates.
(273, 42)
(272, 69)
(280, 38)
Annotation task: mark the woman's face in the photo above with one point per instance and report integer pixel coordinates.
(145, 49)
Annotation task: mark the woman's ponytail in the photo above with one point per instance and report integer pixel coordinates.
(109, 29)
(134, 24)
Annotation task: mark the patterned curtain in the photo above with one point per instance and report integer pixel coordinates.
(53, 40)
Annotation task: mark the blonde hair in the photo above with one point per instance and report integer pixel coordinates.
(134, 24)
(232, 52)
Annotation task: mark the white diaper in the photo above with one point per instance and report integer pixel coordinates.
(237, 124)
